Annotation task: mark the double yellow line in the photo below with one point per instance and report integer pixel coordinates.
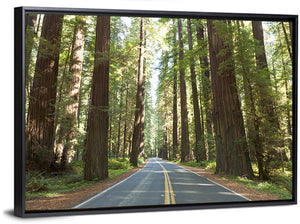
(169, 194)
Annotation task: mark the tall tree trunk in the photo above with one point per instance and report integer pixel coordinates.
(267, 103)
(111, 114)
(96, 159)
(206, 89)
(270, 122)
(142, 129)
(40, 119)
(73, 87)
(57, 143)
(130, 140)
(30, 23)
(288, 42)
(79, 105)
(202, 119)
(125, 125)
(185, 145)
(175, 115)
(257, 140)
(157, 136)
(142, 121)
(253, 120)
(232, 150)
(200, 153)
(291, 34)
(286, 78)
(165, 144)
(139, 97)
(119, 125)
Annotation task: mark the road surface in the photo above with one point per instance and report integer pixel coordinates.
(158, 183)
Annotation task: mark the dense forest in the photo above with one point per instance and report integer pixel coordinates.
(105, 88)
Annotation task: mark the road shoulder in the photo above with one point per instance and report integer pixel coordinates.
(249, 193)
(68, 200)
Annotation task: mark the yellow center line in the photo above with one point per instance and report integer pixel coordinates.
(169, 194)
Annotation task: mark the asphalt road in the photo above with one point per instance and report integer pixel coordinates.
(158, 183)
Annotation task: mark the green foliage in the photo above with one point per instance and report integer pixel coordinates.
(115, 173)
(36, 183)
(141, 160)
(116, 164)
(77, 166)
(211, 165)
(275, 188)
(48, 185)
(51, 185)
(284, 180)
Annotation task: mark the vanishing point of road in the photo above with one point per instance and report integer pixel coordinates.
(161, 182)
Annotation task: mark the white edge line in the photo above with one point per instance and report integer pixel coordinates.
(107, 189)
(216, 183)
(230, 190)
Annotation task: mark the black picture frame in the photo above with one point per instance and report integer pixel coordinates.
(19, 105)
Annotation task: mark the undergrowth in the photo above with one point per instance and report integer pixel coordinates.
(280, 186)
(40, 184)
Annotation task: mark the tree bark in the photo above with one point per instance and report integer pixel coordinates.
(165, 144)
(267, 104)
(206, 90)
(185, 145)
(200, 153)
(142, 130)
(231, 146)
(96, 159)
(125, 125)
(59, 96)
(40, 119)
(288, 42)
(119, 125)
(138, 112)
(142, 121)
(286, 78)
(175, 115)
(30, 35)
(73, 87)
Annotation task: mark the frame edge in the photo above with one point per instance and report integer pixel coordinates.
(19, 153)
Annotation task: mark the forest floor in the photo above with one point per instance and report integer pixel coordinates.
(68, 200)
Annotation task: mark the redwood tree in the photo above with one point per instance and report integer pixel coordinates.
(139, 98)
(185, 145)
(96, 154)
(266, 101)
(267, 104)
(206, 87)
(175, 116)
(40, 119)
(73, 88)
(231, 146)
(200, 153)
(244, 58)
(30, 23)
